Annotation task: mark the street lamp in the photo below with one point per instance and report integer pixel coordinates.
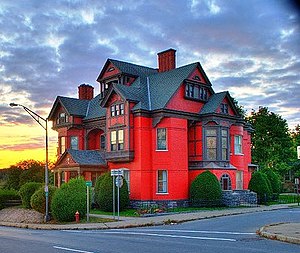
(38, 119)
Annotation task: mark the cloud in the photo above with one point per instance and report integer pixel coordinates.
(48, 47)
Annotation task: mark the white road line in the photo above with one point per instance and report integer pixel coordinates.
(199, 231)
(172, 236)
(73, 250)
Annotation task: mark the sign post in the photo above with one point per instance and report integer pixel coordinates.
(118, 173)
(297, 188)
(298, 152)
(88, 185)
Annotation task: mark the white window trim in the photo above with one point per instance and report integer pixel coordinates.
(234, 145)
(161, 150)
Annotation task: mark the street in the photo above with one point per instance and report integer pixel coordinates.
(224, 234)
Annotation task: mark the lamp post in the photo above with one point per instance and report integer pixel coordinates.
(38, 119)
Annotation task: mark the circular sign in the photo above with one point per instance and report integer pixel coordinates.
(119, 181)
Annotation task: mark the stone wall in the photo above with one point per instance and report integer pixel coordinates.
(239, 198)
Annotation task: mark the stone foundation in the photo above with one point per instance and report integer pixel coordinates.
(239, 198)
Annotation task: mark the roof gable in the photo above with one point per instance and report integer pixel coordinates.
(74, 158)
(72, 106)
(114, 67)
(214, 103)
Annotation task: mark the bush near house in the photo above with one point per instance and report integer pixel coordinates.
(26, 191)
(104, 193)
(68, 199)
(275, 182)
(205, 190)
(6, 196)
(259, 184)
(38, 199)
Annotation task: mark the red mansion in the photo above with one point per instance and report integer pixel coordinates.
(162, 126)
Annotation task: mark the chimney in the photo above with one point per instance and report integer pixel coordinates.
(166, 60)
(86, 92)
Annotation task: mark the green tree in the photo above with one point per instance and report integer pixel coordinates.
(271, 141)
(12, 180)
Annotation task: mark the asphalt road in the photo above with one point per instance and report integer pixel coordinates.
(224, 234)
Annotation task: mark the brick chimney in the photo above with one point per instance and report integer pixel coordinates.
(166, 60)
(85, 91)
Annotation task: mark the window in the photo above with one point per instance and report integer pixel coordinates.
(195, 91)
(62, 118)
(62, 145)
(224, 144)
(224, 108)
(211, 143)
(74, 142)
(127, 178)
(239, 180)
(117, 140)
(225, 182)
(102, 141)
(116, 110)
(161, 138)
(238, 144)
(216, 144)
(162, 181)
(120, 139)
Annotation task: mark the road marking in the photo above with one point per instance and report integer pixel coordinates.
(199, 231)
(172, 236)
(73, 250)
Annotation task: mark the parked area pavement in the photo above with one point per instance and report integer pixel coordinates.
(287, 232)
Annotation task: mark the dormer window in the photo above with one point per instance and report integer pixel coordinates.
(62, 118)
(195, 91)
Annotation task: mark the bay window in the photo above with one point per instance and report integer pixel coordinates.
(117, 140)
(216, 144)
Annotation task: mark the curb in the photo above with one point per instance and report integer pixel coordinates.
(273, 236)
(142, 221)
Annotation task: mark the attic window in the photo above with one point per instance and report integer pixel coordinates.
(62, 118)
(196, 92)
(224, 108)
(196, 78)
(111, 69)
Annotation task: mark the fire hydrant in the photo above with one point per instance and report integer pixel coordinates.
(77, 216)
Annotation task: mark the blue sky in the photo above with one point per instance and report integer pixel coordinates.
(250, 48)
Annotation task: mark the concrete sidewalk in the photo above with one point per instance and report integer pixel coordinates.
(288, 232)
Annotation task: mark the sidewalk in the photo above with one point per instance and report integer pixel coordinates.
(288, 232)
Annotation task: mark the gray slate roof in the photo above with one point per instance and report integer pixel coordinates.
(94, 109)
(87, 157)
(213, 103)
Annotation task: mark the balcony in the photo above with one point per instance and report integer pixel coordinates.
(119, 156)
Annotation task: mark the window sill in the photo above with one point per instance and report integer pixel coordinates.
(162, 193)
(239, 154)
(161, 150)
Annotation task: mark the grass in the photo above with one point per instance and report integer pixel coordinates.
(125, 213)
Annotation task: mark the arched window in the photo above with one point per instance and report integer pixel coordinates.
(225, 182)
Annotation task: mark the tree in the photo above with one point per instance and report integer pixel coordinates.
(271, 141)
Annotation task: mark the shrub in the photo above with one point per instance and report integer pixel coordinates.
(68, 199)
(259, 184)
(206, 190)
(6, 195)
(104, 193)
(38, 199)
(274, 182)
(26, 191)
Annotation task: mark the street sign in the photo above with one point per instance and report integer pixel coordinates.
(119, 181)
(117, 172)
(298, 152)
(88, 183)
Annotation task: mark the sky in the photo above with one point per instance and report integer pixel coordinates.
(48, 48)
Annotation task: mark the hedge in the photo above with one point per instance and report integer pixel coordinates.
(26, 191)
